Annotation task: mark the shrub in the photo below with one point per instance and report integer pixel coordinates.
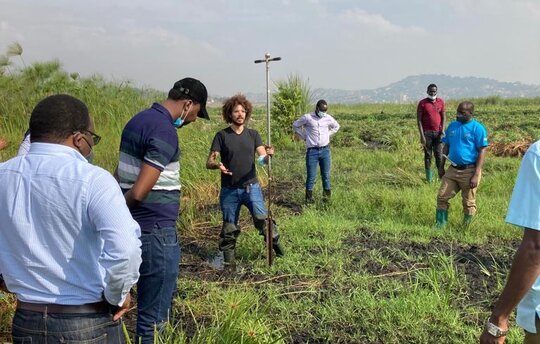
(292, 99)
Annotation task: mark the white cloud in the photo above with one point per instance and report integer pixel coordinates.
(492, 10)
(377, 22)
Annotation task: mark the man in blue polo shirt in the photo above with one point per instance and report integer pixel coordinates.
(149, 175)
(465, 147)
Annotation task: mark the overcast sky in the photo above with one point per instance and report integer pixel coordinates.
(345, 44)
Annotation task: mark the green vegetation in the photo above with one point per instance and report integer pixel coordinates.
(292, 99)
(368, 268)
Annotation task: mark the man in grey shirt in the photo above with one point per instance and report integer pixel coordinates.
(315, 129)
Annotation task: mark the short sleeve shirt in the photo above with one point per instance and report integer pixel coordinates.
(150, 137)
(465, 139)
(430, 112)
(238, 155)
(524, 211)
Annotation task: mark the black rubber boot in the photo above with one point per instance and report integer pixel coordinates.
(309, 196)
(261, 227)
(326, 196)
(278, 250)
(228, 257)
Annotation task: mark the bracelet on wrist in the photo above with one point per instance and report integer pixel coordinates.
(495, 330)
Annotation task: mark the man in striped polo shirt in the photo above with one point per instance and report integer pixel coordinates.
(149, 175)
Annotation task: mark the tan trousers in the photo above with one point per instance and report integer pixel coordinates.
(533, 338)
(453, 181)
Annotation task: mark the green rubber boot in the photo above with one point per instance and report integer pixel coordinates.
(429, 175)
(441, 218)
(467, 219)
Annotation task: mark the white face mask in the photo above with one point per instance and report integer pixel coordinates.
(432, 97)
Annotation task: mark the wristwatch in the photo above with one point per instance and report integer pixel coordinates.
(495, 330)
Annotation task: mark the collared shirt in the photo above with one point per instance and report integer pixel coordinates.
(66, 234)
(25, 144)
(465, 140)
(524, 211)
(150, 137)
(314, 130)
(431, 114)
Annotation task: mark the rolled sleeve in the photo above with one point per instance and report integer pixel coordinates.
(298, 126)
(524, 208)
(121, 254)
(334, 126)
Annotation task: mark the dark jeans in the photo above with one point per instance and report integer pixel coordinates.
(230, 201)
(433, 147)
(39, 328)
(321, 157)
(157, 283)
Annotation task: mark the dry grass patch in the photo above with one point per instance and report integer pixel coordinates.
(514, 149)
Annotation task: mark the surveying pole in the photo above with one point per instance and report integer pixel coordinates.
(269, 223)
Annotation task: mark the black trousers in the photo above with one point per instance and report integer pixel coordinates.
(433, 147)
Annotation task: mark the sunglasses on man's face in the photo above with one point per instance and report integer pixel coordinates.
(95, 137)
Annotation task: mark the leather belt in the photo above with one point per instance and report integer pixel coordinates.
(323, 147)
(463, 167)
(51, 308)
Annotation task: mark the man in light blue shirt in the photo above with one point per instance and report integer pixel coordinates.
(315, 129)
(523, 285)
(68, 244)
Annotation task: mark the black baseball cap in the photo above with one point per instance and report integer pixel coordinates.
(192, 89)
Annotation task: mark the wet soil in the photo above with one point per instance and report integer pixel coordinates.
(483, 267)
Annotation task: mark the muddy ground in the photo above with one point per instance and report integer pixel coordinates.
(480, 268)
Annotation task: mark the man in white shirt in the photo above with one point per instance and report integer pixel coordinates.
(315, 129)
(523, 285)
(69, 248)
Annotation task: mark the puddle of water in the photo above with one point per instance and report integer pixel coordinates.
(217, 262)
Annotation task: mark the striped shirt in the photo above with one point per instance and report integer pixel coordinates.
(150, 137)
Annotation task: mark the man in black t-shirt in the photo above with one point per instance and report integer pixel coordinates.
(237, 145)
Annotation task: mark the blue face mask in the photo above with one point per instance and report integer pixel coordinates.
(179, 123)
(90, 157)
(321, 114)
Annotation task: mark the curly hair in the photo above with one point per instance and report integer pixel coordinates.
(231, 103)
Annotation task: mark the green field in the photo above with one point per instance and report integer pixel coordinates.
(368, 268)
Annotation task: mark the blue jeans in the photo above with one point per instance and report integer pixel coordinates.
(39, 328)
(320, 156)
(157, 283)
(230, 201)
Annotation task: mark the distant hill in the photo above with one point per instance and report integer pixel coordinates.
(413, 88)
